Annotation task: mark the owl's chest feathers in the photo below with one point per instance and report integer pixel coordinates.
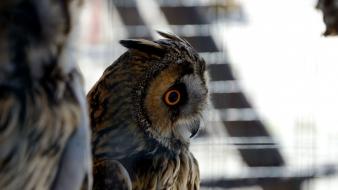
(163, 171)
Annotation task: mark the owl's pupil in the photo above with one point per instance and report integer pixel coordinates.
(173, 96)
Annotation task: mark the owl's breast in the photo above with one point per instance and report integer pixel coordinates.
(161, 171)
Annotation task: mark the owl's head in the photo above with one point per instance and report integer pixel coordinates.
(172, 92)
(157, 90)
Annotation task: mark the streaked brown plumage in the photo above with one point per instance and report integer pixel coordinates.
(44, 127)
(143, 110)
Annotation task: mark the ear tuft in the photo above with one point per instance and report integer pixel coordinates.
(173, 37)
(143, 45)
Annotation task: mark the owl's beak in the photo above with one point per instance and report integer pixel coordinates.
(194, 127)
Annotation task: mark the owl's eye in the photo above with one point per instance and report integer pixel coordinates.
(172, 97)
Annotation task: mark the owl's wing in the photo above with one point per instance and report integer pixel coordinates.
(110, 174)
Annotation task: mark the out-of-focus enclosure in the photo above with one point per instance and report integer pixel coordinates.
(272, 122)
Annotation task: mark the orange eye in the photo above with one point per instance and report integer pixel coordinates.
(172, 97)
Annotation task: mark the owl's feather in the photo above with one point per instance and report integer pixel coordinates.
(135, 129)
(44, 132)
(144, 46)
(110, 174)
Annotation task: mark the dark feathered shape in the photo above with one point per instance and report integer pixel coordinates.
(143, 110)
(44, 127)
(330, 16)
(144, 46)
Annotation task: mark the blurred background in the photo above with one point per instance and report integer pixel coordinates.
(271, 123)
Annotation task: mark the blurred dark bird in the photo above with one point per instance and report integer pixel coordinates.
(44, 127)
(330, 16)
(144, 110)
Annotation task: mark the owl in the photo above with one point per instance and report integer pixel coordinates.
(44, 121)
(144, 110)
